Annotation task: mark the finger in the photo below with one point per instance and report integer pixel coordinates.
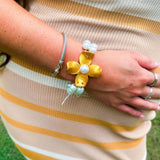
(155, 92)
(145, 61)
(147, 77)
(124, 108)
(141, 103)
(131, 111)
(156, 74)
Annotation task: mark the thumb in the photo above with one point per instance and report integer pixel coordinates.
(146, 62)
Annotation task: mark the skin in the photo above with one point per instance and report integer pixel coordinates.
(130, 69)
(31, 39)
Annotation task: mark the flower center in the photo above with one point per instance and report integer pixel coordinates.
(84, 69)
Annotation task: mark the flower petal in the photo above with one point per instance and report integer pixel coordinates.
(86, 58)
(95, 71)
(81, 80)
(73, 67)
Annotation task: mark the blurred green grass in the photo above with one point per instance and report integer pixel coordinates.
(7, 149)
(9, 152)
(153, 140)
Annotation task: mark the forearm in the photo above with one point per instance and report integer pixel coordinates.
(26, 37)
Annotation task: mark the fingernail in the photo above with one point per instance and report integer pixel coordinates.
(157, 63)
(158, 108)
(142, 116)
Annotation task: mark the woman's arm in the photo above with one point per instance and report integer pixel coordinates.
(26, 37)
(124, 76)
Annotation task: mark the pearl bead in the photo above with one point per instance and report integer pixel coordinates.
(93, 48)
(86, 44)
(94, 45)
(84, 69)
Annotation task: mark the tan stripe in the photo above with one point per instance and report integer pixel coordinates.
(108, 146)
(63, 115)
(108, 36)
(102, 15)
(55, 145)
(51, 98)
(79, 150)
(48, 143)
(30, 117)
(33, 155)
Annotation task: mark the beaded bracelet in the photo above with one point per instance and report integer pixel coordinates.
(56, 71)
(83, 69)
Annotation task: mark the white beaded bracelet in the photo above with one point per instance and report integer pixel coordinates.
(56, 71)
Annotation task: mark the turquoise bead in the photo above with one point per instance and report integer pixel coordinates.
(79, 91)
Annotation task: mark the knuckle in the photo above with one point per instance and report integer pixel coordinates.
(136, 91)
(143, 79)
(131, 52)
(131, 84)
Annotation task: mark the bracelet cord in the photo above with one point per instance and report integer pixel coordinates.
(60, 64)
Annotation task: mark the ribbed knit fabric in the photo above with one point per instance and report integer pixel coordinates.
(83, 128)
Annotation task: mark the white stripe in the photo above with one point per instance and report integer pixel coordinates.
(37, 77)
(26, 158)
(145, 156)
(146, 9)
(43, 152)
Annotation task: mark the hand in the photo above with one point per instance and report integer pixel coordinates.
(124, 81)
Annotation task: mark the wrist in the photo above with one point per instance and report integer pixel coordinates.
(80, 66)
(73, 50)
